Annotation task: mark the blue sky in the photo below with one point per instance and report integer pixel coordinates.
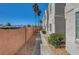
(19, 13)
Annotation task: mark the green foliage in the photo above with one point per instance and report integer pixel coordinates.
(44, 31)
(36, 9)
(55, 39)
(28, 25)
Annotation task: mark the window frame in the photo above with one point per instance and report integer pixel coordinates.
(76, 11)
(76, 23)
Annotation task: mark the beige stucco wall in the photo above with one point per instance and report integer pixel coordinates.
(11, 40)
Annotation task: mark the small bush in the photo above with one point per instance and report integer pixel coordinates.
(55, 39)
(44, 31)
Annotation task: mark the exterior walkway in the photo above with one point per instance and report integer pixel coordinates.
(41, 46)
(36, 50)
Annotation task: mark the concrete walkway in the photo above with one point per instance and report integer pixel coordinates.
(41, 46)
(36, 50)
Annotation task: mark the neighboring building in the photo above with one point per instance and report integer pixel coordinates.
(47, 17)
(72, 28)
(45, 20)
(56, 21)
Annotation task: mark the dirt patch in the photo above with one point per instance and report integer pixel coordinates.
(59, 51)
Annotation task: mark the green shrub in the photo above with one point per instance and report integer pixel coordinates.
(55, 39)
(44, 31)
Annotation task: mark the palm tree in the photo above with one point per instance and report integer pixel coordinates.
(34, 6)
(36, 9)
(38, 14)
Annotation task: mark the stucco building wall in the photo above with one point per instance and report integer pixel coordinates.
(71, 46)
(56, 18)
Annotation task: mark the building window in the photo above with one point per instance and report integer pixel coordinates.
(50, 27)
(77, 25)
